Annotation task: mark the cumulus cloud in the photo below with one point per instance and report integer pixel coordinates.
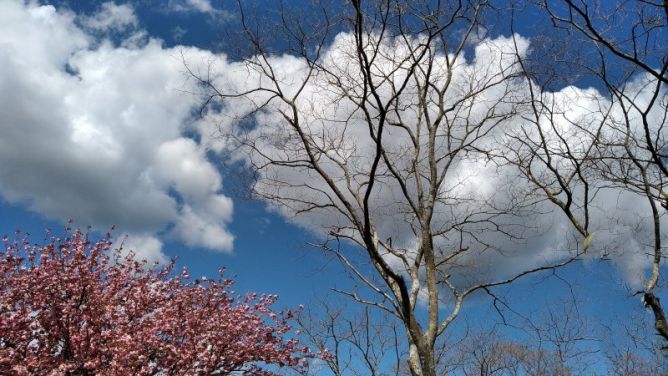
(148, 247)
(619, 214)
(482, 207)
(338, 134)
(93, 131)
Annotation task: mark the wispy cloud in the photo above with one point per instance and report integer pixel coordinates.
(111, 16)
(201, 6)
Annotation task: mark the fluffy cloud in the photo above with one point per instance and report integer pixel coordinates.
(147, 246)
(481, 205)
(93, 131)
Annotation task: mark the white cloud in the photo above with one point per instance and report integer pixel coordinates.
(474, 188)
(105, 145)
(143, 247)
(181, 163)
(202, 6)
(196, 228)
(93, 131)
(111, 16)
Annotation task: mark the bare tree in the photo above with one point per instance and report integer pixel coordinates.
(633, 352)
(488, 356)
(628, 146)
(632, 364)
(557, 342)
(357, 342)
(378, 136)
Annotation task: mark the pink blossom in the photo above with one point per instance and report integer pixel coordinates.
(69, 308)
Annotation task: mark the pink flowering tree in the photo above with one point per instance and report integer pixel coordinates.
(75, 307)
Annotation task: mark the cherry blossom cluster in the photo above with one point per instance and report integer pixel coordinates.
(77, 307)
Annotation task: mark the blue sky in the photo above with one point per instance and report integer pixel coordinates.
(67, 157)
(268, 254)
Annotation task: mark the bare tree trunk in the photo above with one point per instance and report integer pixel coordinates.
(421, 359)
(660, 323)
